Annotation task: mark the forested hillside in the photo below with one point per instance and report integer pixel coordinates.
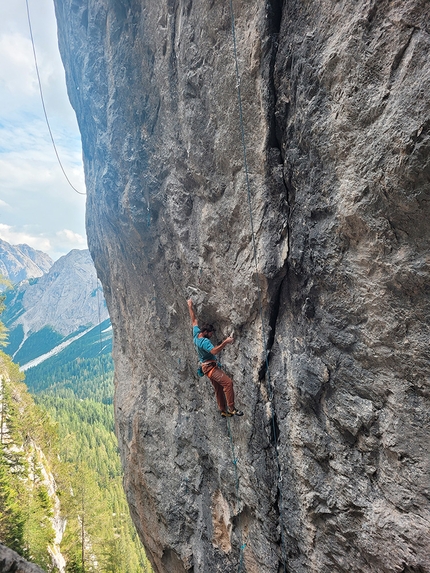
(82, 367)
(78, 394)
(28, 463)
(62, 503)
(73, 439)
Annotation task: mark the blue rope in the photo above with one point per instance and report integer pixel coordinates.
(248, 187)
(242, 549)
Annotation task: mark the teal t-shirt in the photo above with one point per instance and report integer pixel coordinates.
(203, 346)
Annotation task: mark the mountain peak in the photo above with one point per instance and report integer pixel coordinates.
(65, 298)
(45, 313)
(20, 262)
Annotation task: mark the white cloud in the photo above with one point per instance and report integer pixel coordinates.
(55, 244)
(37, 205)
(34, 187)
(65, 241)
(17, 237)
(26, 153)
(17, 77)
(72, 238)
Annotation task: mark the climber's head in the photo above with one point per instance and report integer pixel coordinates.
(207, 330)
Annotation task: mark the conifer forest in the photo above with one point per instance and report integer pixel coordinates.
(62, 504)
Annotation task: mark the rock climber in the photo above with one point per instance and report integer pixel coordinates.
(223, 384)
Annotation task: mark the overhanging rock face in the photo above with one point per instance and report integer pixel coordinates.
(328, 470)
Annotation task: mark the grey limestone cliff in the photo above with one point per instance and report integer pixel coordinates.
(322, 260)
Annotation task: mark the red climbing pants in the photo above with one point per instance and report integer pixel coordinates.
(223, 385)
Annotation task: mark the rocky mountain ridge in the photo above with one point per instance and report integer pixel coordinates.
(46, 314)
(20, 262)
(327, 470)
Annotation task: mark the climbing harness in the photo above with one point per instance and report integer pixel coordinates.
(266, 354)
(43, 104)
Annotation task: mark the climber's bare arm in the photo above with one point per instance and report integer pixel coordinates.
(192, 313)
(217, 349)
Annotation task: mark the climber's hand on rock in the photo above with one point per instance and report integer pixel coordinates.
(192, 313)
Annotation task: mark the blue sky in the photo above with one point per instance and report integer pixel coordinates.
(37, 205)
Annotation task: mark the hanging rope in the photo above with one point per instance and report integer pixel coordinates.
(260, 303)
(43, 103)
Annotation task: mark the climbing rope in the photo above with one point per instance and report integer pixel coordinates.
(43, 103)
(260, 303)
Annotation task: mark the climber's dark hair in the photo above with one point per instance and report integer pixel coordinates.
(206, 327)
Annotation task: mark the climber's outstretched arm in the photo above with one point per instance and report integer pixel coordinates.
(217, 349)
(192, 313)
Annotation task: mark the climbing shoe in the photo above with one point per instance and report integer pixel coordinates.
(235, 412)
(226, 414)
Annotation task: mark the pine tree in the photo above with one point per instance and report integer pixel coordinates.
(11, 510)
(25, 506)
(3, 329)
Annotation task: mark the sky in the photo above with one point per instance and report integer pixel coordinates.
(37, 205)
